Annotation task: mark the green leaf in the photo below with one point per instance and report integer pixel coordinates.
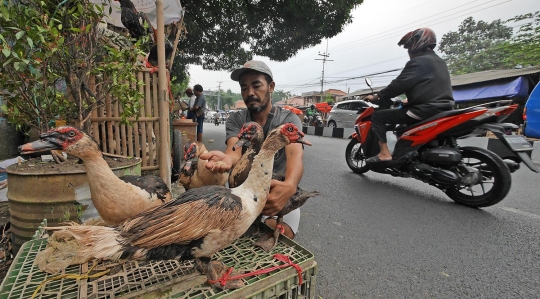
(30, 42)
(19, 34)
(6, 52)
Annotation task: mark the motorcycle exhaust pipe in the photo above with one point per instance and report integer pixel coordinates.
(512, 165)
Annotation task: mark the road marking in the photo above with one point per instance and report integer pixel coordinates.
(537, 217)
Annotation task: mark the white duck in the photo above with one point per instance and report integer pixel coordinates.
(116, 199)
(250, 140)
(196, 224)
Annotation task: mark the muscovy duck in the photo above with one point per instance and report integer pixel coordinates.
(116, 199)
(194, 174)
(251, 138)
(196, 224)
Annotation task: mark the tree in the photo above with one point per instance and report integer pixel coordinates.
(523, 48)
(52, 55)
(476, 47)
(279, 95)
(223, 34)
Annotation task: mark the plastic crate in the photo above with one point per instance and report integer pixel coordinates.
(167, 279)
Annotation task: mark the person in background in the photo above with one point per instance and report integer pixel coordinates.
(257, 85)
(191, 102)
(311, 112)
(198, 109)
(426, 82)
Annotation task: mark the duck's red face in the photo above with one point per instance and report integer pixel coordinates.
(290, 131)
(250, 133)
(60, 138)
(190, 153)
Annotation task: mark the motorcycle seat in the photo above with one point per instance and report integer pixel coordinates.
(403, 127)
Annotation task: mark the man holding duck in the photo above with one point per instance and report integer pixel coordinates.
(257, 85)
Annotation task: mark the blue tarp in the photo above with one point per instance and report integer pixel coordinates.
(488, 90)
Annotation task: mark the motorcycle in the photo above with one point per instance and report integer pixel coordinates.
(314, 121)
(216, 121)
(428, 151)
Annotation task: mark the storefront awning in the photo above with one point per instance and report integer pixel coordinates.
(490, 90)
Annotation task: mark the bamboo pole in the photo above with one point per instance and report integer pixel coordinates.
(164, 125)
(177, 38)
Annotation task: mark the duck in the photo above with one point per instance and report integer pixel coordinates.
(251, 138)
(115, 199)
(195, 225)
(194, 174)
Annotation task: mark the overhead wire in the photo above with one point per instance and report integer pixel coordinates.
(376, 38)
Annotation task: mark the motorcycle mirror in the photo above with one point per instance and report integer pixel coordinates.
(368, 82)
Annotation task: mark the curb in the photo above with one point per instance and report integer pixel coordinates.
(483, 142)
(328, 132)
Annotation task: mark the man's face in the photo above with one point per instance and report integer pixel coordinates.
(197, 93)
(256, 92)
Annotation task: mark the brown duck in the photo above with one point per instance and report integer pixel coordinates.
(116, 199)
(194, 174)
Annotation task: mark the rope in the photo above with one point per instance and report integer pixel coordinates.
(72, 276)
(280, 257)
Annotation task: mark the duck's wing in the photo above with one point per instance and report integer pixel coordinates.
(188, 217)
(151, 183)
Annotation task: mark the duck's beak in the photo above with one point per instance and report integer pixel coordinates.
(40, 145)
(302, 139)
(240, 143)
(187, 166)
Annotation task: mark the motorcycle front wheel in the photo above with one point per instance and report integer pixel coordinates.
(492, 187)
(355, 157)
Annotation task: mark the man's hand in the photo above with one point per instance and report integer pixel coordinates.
(280, 192)
(217, 161)
(371, 97)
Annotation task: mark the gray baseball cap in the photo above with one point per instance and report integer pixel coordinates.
(254, 65)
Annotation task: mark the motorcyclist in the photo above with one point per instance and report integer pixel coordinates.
(311, 113)
(425, 80)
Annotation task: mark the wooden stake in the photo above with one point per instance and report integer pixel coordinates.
(164, 125)
(177, 39)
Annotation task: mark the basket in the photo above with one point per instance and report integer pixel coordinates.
(167, 279)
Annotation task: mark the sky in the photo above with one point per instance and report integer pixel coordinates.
(368, 46)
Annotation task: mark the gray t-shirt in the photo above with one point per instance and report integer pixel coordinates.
(281, 116)
(201, 102)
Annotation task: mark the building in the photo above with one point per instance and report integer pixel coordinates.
(313, 97)
(294, 101)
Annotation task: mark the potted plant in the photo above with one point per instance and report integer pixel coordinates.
(54, 63)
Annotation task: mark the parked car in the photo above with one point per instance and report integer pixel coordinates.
(343, 114)
(531, 114)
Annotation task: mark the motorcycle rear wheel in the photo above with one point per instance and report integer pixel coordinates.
(495, 174)
(355, 157)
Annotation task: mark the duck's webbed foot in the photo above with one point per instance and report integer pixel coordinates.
(268, 242)
(217, 273)
(254, 228)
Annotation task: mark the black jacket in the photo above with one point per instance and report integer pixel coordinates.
(425, 80)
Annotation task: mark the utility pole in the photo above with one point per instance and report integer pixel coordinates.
(325, 55)
(219, 96)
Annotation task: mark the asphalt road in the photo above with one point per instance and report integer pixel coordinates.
(376, 236)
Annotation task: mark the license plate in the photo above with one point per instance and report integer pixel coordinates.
(518, 143)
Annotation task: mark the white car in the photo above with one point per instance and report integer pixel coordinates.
(343, 114)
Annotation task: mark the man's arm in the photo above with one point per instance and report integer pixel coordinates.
(280, 192)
